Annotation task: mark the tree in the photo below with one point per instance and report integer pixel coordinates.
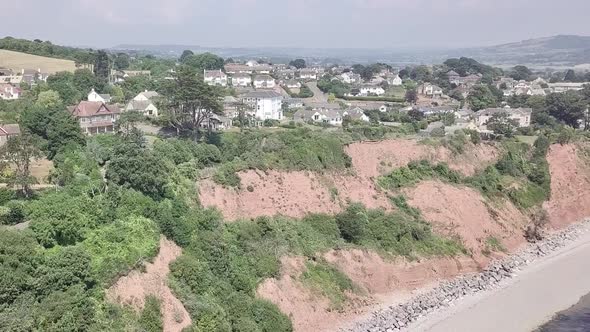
(570, 76)
(48, 99)
(84, 80)
(501, 124)
(422, 74)
(102, 65)
(62, 82)
(481, 97)
(190, 101)
(19, 151)
(204, 61)
(568, 107)
(185, 54)
(521, 73)
(122, 61)
(411, 96)
(297, 63)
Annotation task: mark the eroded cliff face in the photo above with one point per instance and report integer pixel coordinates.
(295, 194)
(453, 210)
(570, 184)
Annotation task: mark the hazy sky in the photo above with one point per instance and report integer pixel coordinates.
(297, 23)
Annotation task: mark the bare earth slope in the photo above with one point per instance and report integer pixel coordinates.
(132, 289)
(295, 194)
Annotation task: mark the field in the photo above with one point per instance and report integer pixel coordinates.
(17, 61)
(396, 92)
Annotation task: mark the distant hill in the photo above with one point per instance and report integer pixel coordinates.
(18, 61)
(561, 50)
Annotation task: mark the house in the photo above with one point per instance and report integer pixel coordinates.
(565, 86)
(147, 95)
(467, 81)
(264, 82)
(333, 117)
(32, 76)
(294, 102)
(230, 106)
(371, 90)
(241, 80)
(94, 96)
(464, 114)
(436, 110)
(135, 73)
(9, 91)
(96, 117)
(292, 84)
(262, 69)
(395, 81)
(216, 122)
(430, 91)
(11, 79)
(308, 74)
(7, 131)
(236, 68)
(507, 83)
(215, 77)
(453, 76)
(265, 104)
(6, 71)
(521, 115)
(350, 77)
(145, 103)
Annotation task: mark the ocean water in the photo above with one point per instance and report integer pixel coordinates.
(574, 319)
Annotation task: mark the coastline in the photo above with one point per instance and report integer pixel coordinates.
(519, 293)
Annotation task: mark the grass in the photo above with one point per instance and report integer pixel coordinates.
(530, 140)
(18, 61)
(328, 281)
(396, 92)
(493, 244)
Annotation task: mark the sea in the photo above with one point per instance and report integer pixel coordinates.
(574, 319)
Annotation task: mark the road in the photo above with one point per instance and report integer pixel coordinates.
(318, 95)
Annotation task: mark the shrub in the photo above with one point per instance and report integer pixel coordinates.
(352, 223)
(328, 281)
(150, 319)
(15, 213)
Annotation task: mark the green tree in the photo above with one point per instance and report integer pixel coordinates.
(502, 124)
(521, 73)
(150, 319)
(568, 107)
(207, 61)
(102, 65)
(48, 99)
(570, 76)
(122, 61)
(63, 83)
(297, 63)
(84, 80)
(185, 54)
(481, 97)
(411, 96)
(189, 101)
(18, 152)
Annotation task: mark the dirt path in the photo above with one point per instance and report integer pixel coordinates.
(133, 288)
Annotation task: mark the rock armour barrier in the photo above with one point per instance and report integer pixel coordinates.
(397, 317)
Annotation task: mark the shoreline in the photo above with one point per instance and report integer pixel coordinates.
(521, 289)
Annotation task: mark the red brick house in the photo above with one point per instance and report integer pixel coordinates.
(96, 117)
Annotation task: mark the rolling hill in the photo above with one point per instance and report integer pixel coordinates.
(18, 61)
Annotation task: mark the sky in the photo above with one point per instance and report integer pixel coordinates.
(384, 24)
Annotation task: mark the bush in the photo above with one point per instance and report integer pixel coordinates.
(328, 281)
(14, 214)
(352, 223)
(150, 319)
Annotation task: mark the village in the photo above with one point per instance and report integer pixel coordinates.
(266, 95)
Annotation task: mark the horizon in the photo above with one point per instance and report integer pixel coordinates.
(305, 24)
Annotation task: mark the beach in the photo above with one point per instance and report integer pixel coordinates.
(524, 302)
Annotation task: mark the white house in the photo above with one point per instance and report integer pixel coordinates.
(103, 98)
(292, 84)
(265, 104)
(241, 80)
(9, 92)
(215, 77)
(333, 117)
(308, 74)
(145, 103)
(350, 77)
(430, 90)
(264, 82)
(371, 90)
(521, 115)
(396, 81)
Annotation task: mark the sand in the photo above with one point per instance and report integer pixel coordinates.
(547, 286)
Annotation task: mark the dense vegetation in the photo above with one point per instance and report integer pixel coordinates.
(522, 174)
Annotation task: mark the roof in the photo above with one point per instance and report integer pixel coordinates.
(262, 94)
(91, 108)
(508, 110)
(263, 78)
(452, 73)
(229, 99)
(139, 105)
(214, 73)
(105, 96)
(241, 75)
(150, 94)
(9, 129)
